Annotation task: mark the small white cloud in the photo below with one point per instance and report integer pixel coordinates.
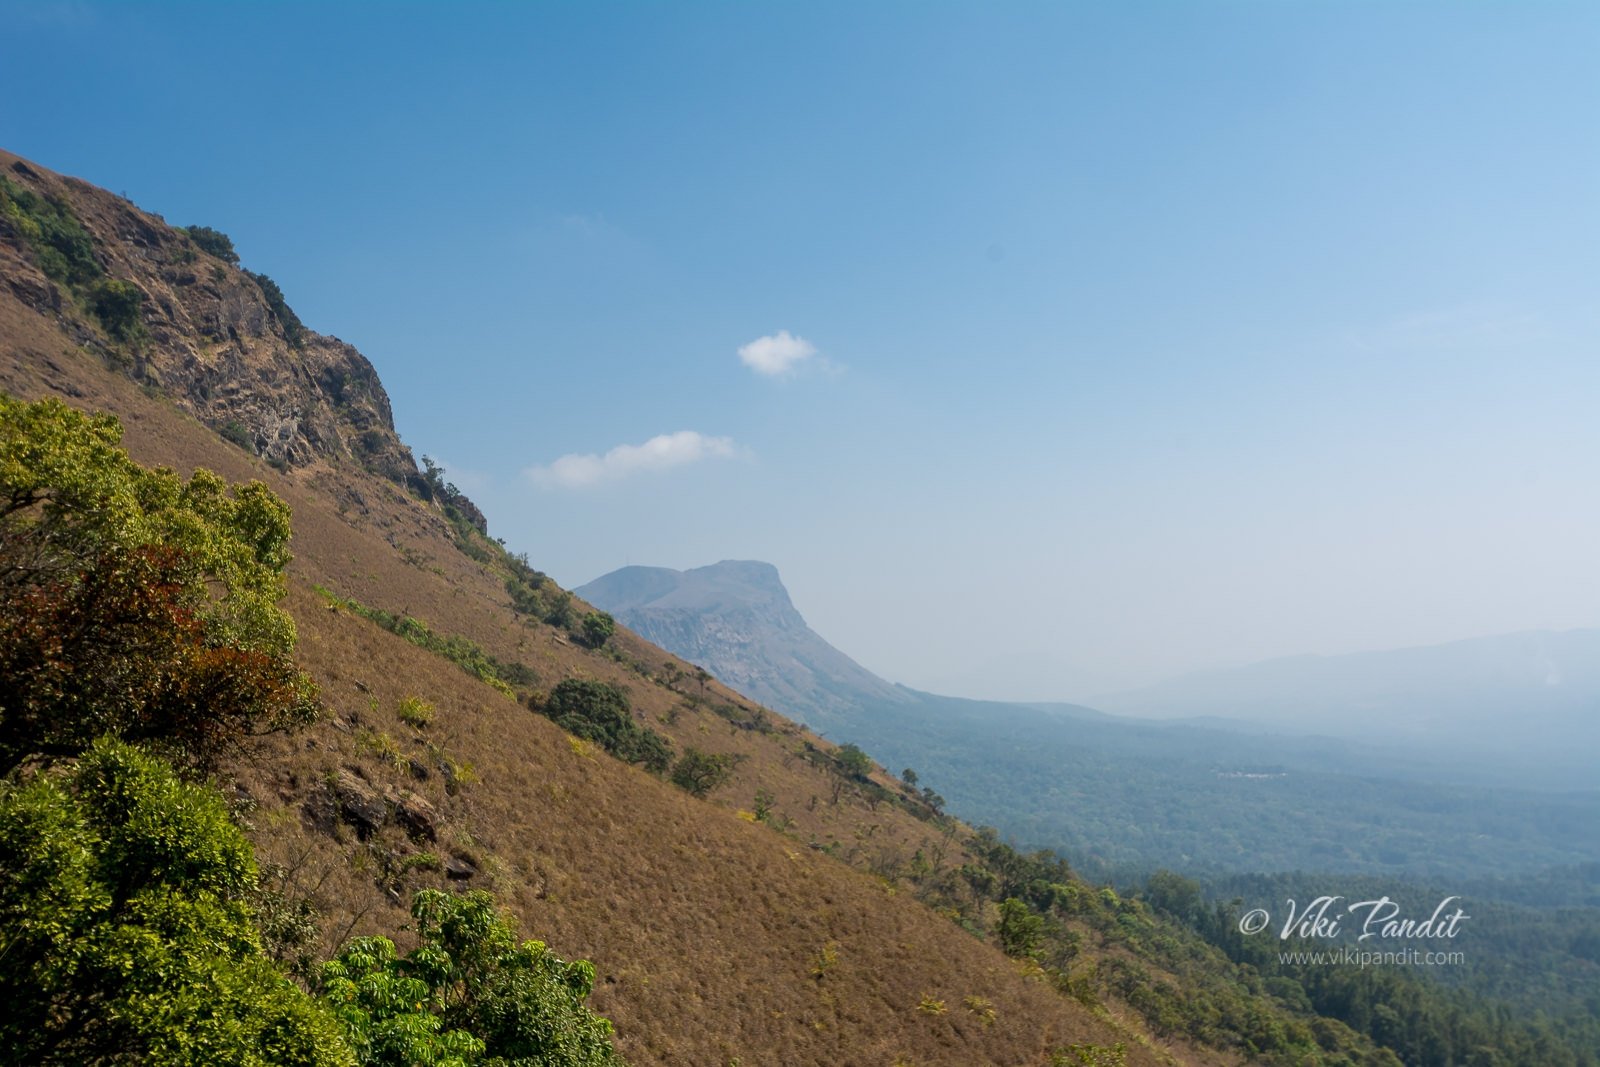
(579, 470)
(776, 354)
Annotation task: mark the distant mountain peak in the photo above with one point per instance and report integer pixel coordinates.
(735, 619)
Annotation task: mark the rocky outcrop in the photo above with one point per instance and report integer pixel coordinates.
(210, 335)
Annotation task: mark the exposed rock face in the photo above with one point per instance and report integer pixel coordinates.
(213, 340)
(735, 619)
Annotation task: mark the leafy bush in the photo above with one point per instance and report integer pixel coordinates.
(60, 245)
(238, 433)
(599, 712)
(293, 328)
(852, 762)
(118, 304)
(1019, 930)
(598, 628)
(415, 712)
(125, 932)
(702, 773)
(214, 243)
(468, 994)
(134, 603)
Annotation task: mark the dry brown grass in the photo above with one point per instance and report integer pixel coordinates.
(716, 939)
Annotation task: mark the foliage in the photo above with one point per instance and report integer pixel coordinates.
(117, 304)
(599, 712)
(293, 328)
(598, 628)
(415, 712)
(134, 603)
(1525, 988)
(466, 520)
(1019, 930)
(60, 245)
(853, 762)
(763, 805)
(214, 243)
(702, 773)
(1091, 1056)
(238, 433)
(468, 994)
(124, 927)
(1124, 798)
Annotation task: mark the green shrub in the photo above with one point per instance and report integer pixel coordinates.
(415, 712)
(293, 328)
(599, 712)
(1019, 929)
(468, 994)
(135, 603)
(118, 306)
(214, 243)
(598, 628)
(60, 245)
(125, 930)
(238, 433)
(701, 773)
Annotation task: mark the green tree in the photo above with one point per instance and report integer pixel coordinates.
(468, 994)
(701, 773)
(118, 305)
(214, 243)
(853, 762)
(599, 712)
(598, 628)
(132, 602)
(124, 930)
(293, 328)
(60, 245)
(1019, 929)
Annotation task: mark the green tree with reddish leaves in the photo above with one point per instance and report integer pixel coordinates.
(135, 603)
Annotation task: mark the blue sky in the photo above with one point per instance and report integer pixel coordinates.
(1123, 339)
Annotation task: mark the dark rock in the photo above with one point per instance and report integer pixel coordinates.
(359, 804)
(414, 813)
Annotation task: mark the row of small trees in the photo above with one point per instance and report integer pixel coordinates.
(599, 712)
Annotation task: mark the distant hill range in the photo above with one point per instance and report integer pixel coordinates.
(1533, 693)
(1289, 764)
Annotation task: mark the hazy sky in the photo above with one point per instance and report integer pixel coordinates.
(1044, 349)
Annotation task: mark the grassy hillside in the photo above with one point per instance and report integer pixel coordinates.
(783, 919)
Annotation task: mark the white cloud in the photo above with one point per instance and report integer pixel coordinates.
(776, 354)
(580, 470)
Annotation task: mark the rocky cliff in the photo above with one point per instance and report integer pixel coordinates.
(178, 313)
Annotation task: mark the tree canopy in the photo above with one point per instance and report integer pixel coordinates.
(132, 602)
(125, 932)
